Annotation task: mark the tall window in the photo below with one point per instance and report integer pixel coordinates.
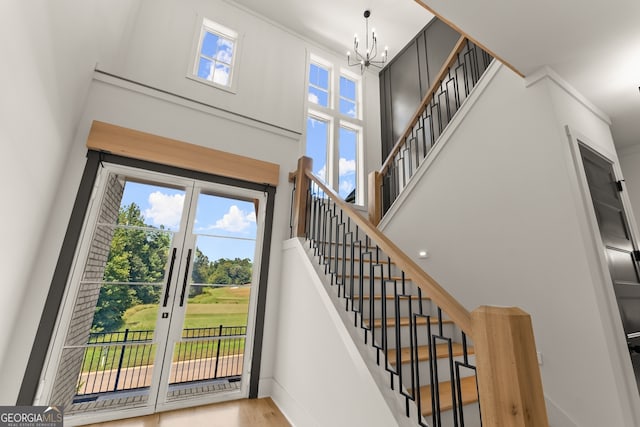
(334, 128)
(215, 57)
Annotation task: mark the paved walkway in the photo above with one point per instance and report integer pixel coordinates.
(140, 376)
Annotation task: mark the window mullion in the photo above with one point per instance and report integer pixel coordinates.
(334, 152)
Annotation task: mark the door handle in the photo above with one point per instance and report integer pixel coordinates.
(166, 291)
(186, 278)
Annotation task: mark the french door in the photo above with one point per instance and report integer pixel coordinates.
(159, 311)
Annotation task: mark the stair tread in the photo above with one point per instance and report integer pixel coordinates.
(389, 297)
(442, 351)
(363, 260)
(323, 242)
(404, 321)
(368, 276)
(469, 395)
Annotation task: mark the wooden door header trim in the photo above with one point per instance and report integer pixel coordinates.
(153, 148)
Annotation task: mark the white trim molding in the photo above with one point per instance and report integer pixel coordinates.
(547, 73)
(141, 88)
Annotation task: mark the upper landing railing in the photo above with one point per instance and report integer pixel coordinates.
(459, 75)
(389, 294)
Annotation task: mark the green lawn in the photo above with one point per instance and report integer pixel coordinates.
(212, 308)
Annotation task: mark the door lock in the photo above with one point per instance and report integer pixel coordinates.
(165, 315)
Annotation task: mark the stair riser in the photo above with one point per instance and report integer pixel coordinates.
(406, 308)
(382, 269)
(444, 372)
(363, 285)
(449, 330)
(471, 414)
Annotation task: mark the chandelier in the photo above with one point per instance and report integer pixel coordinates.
(368, 57)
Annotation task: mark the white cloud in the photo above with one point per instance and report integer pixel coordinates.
(314, 99)
(346, 186)
(221, 76)
(347, 166)
(225, 44)
(164, 209)
(224, 56)
(218, 74)
(322, 173)
(235, 220)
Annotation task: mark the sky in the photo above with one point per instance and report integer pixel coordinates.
(225, 228)
(216, 56)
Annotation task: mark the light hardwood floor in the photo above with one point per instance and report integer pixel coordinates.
(237, 413)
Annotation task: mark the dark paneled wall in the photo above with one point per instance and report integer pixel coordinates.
(407, 78)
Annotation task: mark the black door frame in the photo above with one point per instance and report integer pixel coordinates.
(46, 327)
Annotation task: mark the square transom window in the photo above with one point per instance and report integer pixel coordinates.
(217, 49)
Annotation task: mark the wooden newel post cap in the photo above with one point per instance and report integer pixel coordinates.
(509, 379)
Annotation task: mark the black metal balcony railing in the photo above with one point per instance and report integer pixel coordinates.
(117, 361)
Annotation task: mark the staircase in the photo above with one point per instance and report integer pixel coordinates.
(448, 365)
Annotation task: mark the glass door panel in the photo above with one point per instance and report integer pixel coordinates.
(208, 356)
(112, 341)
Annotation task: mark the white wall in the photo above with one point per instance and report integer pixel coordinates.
(320, 379)
(270, 69)
(48, 53)
(271, 89)
(500, 213)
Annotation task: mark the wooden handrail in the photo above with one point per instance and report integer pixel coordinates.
(460, 315)
(425, 101)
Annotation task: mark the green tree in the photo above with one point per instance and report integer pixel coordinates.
(140, 256)
(235, 271)
(135, 255)
(201, 272)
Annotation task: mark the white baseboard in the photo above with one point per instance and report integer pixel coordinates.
(293, 412)
(557, 417)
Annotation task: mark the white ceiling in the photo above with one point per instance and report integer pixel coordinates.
(593, 44)
(333, 23)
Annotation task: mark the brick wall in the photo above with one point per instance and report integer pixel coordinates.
(66, 381)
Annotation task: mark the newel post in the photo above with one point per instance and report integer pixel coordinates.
(300, 198)
(375, 197)
(508, 373)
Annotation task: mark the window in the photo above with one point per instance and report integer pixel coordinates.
(215, 56)
(348, 99)
(319, 85)
(334, 128)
